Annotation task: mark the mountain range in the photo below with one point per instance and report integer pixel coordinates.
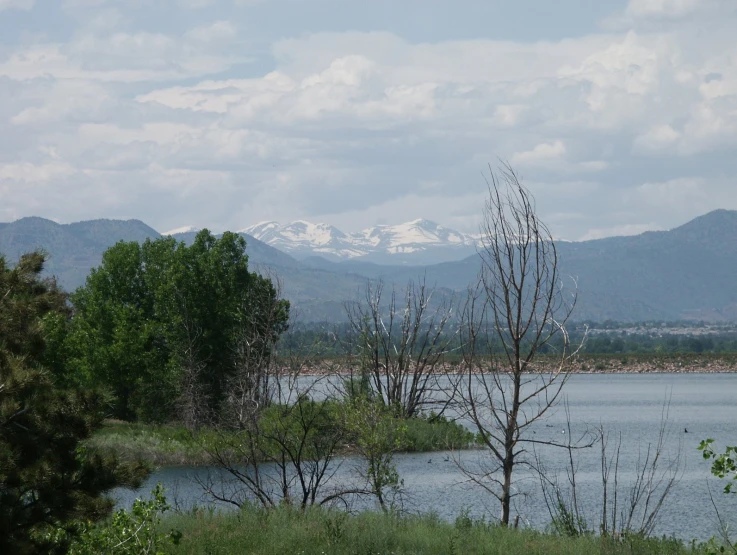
(416, 242)
(687, 273)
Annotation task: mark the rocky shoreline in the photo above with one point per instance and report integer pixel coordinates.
(626, 364)
(657, 366)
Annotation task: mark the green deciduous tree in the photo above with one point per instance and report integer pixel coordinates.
(47, 480)
(157, 316)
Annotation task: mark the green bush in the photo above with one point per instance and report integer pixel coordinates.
(134, 532)
(436, 433)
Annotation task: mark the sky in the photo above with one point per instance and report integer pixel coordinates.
(619, 115)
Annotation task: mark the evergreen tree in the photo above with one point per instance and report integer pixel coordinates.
(48, 481)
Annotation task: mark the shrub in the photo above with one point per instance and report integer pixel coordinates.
(133, 532)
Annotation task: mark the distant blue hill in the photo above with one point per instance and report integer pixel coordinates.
(689, 272)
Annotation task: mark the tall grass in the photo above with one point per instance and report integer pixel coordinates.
(289, 531)
(156, 444)
(162, 445)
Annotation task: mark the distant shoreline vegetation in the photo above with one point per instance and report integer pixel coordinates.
(613, 339)
(596, 363)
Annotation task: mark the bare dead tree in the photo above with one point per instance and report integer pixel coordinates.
(401, 343)
(517, 308)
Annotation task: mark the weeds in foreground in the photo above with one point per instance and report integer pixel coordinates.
(319, 531)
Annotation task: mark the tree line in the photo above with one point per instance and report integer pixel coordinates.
(333, 337)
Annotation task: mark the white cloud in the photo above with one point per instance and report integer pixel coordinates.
(541, 153)
(137, 64)
(215, 32)
(671, 14)
(662, 8)
(16, 4)
(197, 4)
(120, 56)
(26, 172)
(352, 127)
(67, 99)
(682, 191)
(656, 138)
(710, 126)
(84, 4)
(509, 115)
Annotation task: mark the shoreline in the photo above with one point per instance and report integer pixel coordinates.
(627, 369)
(638, 363)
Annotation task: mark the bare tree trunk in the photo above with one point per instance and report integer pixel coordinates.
(402, 344)
(517, 309)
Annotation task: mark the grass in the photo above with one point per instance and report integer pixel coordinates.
(319, 532)
(158, 445)
(171, 445)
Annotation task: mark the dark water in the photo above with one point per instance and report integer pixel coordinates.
(628, 404)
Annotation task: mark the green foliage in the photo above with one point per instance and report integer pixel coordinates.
(436, 433)
(566, 523)
(357, 387)
(158, 445)
(134, 532)
(306, 430)
(715, 547)
(48, 480)
(647, 339)
(724, 465)
(377, 433)
(316, 532)
(162, 445)
(151, 307)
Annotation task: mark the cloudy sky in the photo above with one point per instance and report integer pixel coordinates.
(621, 115)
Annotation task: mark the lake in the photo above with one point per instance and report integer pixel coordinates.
(628, 404)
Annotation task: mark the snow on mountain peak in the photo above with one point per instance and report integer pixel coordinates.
(410, 237)
(260, 227)
(184, 229)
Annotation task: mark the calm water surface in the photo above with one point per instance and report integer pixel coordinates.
(626, 404)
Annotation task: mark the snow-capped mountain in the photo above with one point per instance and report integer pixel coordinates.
(305, 237)
(180, 230)
(416, 241)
